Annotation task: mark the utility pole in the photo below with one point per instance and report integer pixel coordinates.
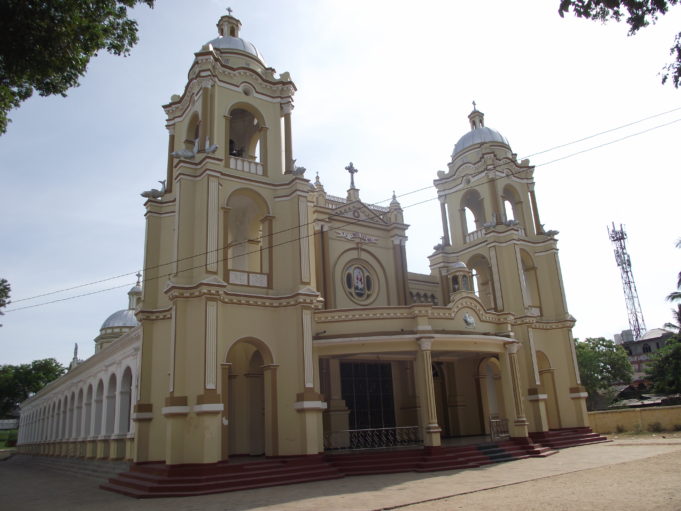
(636, 323)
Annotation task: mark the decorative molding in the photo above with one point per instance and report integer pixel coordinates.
(307, 348)
(304, 240)
(212, 224)
(211, 344)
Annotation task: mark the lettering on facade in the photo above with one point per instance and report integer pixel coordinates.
(356, 236)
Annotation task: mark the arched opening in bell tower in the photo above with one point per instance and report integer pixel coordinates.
(530, 281)
(512, 205)
(472, 211)
(191, 139)
(246, 132)
(482, 279)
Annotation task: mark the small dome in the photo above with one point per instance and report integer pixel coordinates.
(121, 318)
(459, 265)
(478, 134)
(236, 43)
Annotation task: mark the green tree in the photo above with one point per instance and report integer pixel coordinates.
(637, 14)
(665, 370)
(602, 364)
(18, 382)
(4, 295)
(46, 45)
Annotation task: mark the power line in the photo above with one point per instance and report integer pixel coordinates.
(333, 215)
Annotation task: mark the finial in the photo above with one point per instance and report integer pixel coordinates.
(139, 276)
(352, 170)
(75, 352)
(316, 180)
(474, 106)
(229, 11)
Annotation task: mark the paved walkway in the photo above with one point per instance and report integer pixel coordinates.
(628, 473)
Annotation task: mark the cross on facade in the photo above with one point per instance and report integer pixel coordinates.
(474, 107)
(352, 170)
(229, 11)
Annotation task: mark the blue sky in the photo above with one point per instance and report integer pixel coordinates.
(387, 85)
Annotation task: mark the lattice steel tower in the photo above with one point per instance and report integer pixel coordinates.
(636, 323)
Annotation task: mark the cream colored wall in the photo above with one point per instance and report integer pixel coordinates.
(635, 419)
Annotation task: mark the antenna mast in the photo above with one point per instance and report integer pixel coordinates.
(636, 323)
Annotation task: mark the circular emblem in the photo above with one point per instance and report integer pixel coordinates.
(359, 282)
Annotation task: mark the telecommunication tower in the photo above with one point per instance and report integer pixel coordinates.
(636, 323)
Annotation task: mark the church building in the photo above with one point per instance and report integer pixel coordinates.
(276, 319)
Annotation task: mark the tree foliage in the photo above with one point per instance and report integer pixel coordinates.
(18, 382)
(637, 14)
(4, 295)
(602, 364)
(665, 370)
(46, 45)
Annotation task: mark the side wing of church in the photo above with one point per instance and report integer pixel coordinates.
(276, 319)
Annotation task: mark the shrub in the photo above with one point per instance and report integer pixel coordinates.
(620, 428)
(677, 427)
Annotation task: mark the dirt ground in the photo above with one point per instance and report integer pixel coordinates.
(631, 472)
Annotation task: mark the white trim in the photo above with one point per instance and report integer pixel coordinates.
(309, 405)
(538, 397)
(175, 410)
(208, 407)
(141, 416)
(579, 395)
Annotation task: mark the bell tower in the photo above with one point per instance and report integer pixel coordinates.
(229, 285)
(490, 222)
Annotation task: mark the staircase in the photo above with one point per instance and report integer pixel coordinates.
(149, 480)
(434, 459)
(567, 437)
(161, 480)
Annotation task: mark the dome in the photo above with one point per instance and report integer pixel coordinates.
(478, 134)
(236, 43)
(459, 265)
(121, 318)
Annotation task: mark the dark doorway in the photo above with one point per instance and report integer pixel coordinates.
(367, 388)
